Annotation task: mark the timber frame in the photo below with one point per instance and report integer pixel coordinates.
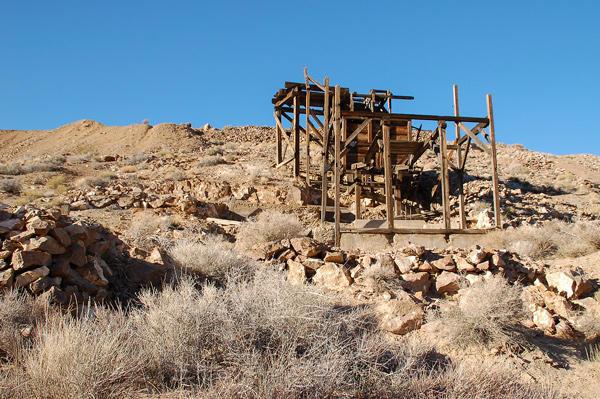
(362, 140)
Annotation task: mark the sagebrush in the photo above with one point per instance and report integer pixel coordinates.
(268, 226)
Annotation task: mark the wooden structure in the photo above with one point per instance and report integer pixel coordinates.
(365, 146)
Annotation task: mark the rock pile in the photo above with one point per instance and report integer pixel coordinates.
(403, 281)
(44, 251)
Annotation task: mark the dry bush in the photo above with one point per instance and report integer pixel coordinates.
(214, 260)
(381, 278)
(93, 181)
(32, 194)
(10, 186)
(486, 314)
(210, 160)
(555, 239)
(11, 168)
(144, 229)
(20, 316)
(48, 164)
(593, 355)
(268, 226)
(90, 357)
(79, 158)
(137, 159)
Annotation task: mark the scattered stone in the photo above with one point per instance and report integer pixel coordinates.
(448, 282)
(571, 283)
(307, 246)
(544, 320)
(462, 265)
(7, 278)
(335, 257)
(401, 315)
(446, 263)
(296, 272)
(416, 282)
(23, 260)
(44, 243)
(332, 275)
(23, 279)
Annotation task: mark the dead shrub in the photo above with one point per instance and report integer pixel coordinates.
(381, 278)
(79, 158)
(20, 316)
(214, 260)
(268, 226)
(144, 229)
(210, 160)
(11, 168)
(93, 181)
(137, 159)
(486, 314)
(88, 357)
(556, 239)
(10, 186)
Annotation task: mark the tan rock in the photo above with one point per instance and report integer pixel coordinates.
(5, 254)
(416, 282)
(126, 201)
(570, 283)
(413, 249)
(498, 260)
(7, 278)
(80, 205)
(448, 282)
(427, 267)
(267, 250)
(335, 257)
(39, 226)
(311, 263)
(477, 255)
(23, 279)
(296, 272)
(46, 244)
(446, 263)
(23, 260)
(401, 315)
(307, 246)
(557, 304)
(93, 273)
(43, 284)
(332, 275)
(286, 255)
(544, 320)
(462, 265)
(60, 236)
(404, 263)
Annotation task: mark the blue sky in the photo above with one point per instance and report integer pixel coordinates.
(120, 62)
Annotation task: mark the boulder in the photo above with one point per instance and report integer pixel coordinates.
(267, 250)
(332, 275)
(570, 283)
(98, 248)
(44, 284)
(39, 226)
(335, 257)
(448, 282)
(413, 249)
(404, 263)
(557, 304)
(24, 260)
(462, 265)
(544, 320)
(80, 205)
(427, 267)
(477, 255)
(307, 246)
(93, 273)
(145, 273)
(60, 236)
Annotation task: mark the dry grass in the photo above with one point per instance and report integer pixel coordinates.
(210, 160)
(10, 186)
(380, 278)
(144, 229)
(268, 226)
(251, 339)
(486, 314)
(137, 159)
(593, 355)
(555, 239)
(214, 260)
(93, 181)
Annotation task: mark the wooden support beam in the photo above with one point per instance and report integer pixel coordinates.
(474, 137)
(308, 124)
(415, 231)
(285, 99)
(278, 133)
(386, 116)
(444, 175)
(338, 161)
(325, 157)
(460, 171)
(497, 214)
(312, 113)
(282, 131)
(387, 163)
(283, 163)
(308, 78)
(357, 131)
(357, 193)
(296, 137)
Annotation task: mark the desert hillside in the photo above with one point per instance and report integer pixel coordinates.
(175, 261)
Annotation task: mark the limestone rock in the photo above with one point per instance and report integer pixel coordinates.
(571, 283)
(448, 282)
(544, 320)
(335, 257)
(477, 255)
(332, 275)
(463, 265)
(404, 263)
(23, 260)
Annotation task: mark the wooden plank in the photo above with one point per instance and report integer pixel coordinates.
(497, 214)
(387, 163)
(338, 160)
(285, 99)
(312, 113)
(325, 157)
(357, 194)
(460, 171)
(444, 176)
(474, 137)
(296, 137)
(385, 116)
(224, 222)
(279, 165)
(314, 131)
(415, 231)
(357, 131)
(308, 124)
(285, 136)
(278, 133)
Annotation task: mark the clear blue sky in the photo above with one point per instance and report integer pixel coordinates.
(119, 62)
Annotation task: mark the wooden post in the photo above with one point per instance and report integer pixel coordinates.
(459, 155)
(296, 133)
(278, 137)
(307, 109)
(357, 193)
(338, 161)
(325, 152)
(444, 174)
(497, 213)
(387, 162)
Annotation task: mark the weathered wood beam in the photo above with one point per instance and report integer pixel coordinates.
(474, 137)
(325, 157)
(338, 160)
(357, 131)
(460, 173)
(444, 175)
(387, 163)
(497, 213)
(387, 116)
(415, 231)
